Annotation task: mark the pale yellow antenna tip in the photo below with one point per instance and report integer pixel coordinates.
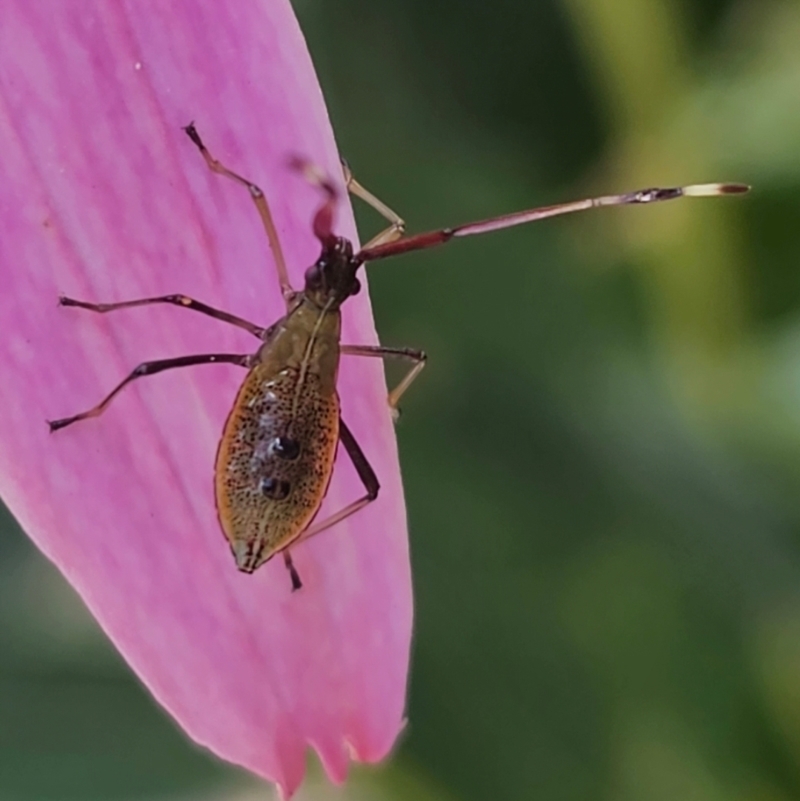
(714, 190)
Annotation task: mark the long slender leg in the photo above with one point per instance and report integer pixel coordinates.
(151, 368)
(639, 197)
(360, 462)
(261, 204)
(323, 219)
(368, 479)
(397, 224)
(177, 300)
(295, 576)
(419, 357)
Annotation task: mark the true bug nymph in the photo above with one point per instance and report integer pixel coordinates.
(277, 450)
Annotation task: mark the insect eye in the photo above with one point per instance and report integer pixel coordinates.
(285, 448)
(274, 488)
(314, 276)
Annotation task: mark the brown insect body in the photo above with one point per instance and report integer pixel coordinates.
(278, 447)
(277, 450)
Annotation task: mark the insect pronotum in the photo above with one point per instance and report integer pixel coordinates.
(277, 450)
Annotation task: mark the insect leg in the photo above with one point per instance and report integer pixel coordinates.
(177, 300)
(397, 224)
(295, 576)
(151, 368)
(368, 479)
(419, 357)
(261, 204)
(639, 197)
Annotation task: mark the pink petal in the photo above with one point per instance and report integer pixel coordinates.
(104, 198)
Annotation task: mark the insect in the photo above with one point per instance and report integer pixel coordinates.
(277, 451)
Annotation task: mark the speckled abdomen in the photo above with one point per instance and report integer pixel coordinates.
(274, 461)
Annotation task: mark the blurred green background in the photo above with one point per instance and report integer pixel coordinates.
(602, 461)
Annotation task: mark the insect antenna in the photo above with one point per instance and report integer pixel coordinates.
(323, 219)
(641, 196)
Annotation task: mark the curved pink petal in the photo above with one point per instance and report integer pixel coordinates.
(104, 198)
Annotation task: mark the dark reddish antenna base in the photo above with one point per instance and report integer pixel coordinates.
(323, 219)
